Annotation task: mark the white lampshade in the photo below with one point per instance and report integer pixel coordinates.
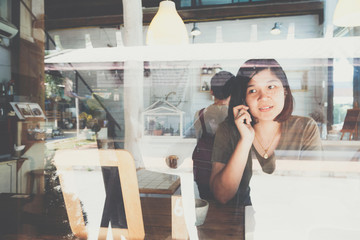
(276, 29)
(347, 13)
(195, 31)
(167, 27)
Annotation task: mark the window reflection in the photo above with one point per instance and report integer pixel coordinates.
(84, 88)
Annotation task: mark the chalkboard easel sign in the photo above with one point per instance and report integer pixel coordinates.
(351, 121)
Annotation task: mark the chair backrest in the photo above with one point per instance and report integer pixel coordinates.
(67, 160)
(351, 122)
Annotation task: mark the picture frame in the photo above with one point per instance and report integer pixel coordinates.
(25, 110)
(36, 110)
(298, 80)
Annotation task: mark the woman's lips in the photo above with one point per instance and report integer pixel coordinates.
(265, 109)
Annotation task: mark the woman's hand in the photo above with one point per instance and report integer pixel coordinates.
(242, 120)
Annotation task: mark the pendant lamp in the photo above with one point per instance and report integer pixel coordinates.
(195, 31)
(167, 27)
(276, 29)
(347, 13)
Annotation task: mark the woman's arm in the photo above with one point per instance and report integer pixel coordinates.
(225, 178)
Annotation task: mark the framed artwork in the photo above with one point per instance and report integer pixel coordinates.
(298, 80)
(36, 110)
(25, 110)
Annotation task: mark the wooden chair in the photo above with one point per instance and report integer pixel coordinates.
(65, 160)
(53, 115)
(351, 122)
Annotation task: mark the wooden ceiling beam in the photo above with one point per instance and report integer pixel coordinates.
(213, 13)
(253, 11)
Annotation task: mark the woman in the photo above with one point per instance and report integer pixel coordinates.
(260, 121)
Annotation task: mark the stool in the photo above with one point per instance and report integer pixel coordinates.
(38, 177)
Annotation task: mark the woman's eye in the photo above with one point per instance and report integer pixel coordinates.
(271, 86)
(252, 91)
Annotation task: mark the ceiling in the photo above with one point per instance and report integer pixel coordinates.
(83, 13)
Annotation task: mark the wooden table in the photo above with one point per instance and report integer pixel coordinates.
(157, 183)
(222, 221)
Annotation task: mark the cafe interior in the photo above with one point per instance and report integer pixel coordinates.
(97, 106)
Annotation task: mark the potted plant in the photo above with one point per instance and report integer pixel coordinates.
(158, 129)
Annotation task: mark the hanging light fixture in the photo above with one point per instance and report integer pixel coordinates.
(347, 13)
(195, 31)
(276, 29)
(167, 27)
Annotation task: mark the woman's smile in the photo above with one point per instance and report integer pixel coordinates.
(265, 109)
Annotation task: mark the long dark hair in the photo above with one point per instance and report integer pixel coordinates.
(247, 71)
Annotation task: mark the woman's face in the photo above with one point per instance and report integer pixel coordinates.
(265, 96)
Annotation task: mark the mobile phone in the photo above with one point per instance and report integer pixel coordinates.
(238, 115)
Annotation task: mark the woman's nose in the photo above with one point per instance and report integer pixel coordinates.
(263, 94)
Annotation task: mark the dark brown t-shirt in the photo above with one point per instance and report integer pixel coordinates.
(300, 139)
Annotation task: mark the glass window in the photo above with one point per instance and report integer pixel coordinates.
(5, 10)
(99, 138)
(343, 89)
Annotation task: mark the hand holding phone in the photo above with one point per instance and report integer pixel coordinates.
(243, 121)
(242, 112)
